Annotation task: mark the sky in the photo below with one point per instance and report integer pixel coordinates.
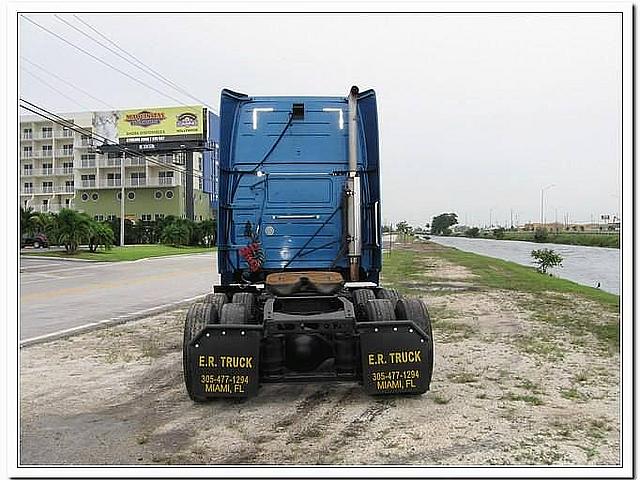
(477, 112)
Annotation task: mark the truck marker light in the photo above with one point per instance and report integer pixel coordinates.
(340, 115)
(255, 115)
(395, 329)
(224, 333)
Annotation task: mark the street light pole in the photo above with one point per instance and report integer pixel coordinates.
(542, 202)
(122, 199)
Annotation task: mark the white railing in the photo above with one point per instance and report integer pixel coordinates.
(27, 191)
(110, 162)
(64, 153)
(113, 182)
(135, 161)
(64, 171)
(88, 183)
(27, 136)
(88, 163)
(166, 181)
(137, 182)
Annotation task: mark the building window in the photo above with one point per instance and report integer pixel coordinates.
(66, 132)
(88, 180)
(113, 179)
(47, 132)
(27, 152)
(28, 187)
(145, 217)
(47, 150)
(168, 194)
(99, 218)
(95, 196)
(138, 178)
(131, 195)
(84, 196)
(159, 216)
(47, 187)
(199, 184)
(111, 218)
(68, 186)
(67, 167)
(67, 202)
(165, 178)
(85, 140)
(67, 150)
(27, 134)
(28, 168)
(45, 205)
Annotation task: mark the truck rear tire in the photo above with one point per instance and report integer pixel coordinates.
(389, 294)
(234, 314)
(198, 316)
(360, 299)
(217, 300)
(380, 310)
(248, 299)
(415, 310)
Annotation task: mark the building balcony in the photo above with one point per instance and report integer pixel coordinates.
(26, 136)
(64, 153)
(135, 182)
(87, 164)
(88, 183)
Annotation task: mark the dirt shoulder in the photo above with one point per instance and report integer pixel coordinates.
(509, 387)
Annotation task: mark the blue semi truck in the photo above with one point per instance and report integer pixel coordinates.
(300, 254)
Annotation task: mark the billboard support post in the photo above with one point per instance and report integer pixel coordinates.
(122, 178)
(188, 161)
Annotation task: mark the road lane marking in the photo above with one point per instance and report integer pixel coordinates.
(111, 285)
(107, 322)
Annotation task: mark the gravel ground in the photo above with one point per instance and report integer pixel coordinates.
(506, 390)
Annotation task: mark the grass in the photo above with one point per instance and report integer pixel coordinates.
(529, 399)
(439, 400)
(126, 253)
(611, 240)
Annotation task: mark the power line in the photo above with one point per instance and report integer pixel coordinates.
(48, 72)
(138, 63)
(73, 126)
(98, 59)
(53, 88)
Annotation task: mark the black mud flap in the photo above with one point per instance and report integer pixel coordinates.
(397, 357)
(224, 361)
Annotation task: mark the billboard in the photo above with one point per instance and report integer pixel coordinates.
(160, 124)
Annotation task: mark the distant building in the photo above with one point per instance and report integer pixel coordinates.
(61, 168)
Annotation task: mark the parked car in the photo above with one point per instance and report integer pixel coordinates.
(39, 240)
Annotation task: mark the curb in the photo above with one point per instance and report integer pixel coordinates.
(26, 255)
(108, 322)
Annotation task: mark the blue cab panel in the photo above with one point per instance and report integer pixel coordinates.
(282, 176)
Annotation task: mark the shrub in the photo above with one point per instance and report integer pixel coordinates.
(473, 232)
(540, 235)
(546, 259)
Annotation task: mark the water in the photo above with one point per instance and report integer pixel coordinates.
(583, 265)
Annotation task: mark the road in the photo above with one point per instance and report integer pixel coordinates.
(57, 295)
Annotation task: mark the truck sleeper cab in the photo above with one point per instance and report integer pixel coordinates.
(299, 255)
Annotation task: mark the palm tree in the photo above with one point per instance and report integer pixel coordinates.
(29, 221)
(100, 235)
(175, 234)
(72, 228)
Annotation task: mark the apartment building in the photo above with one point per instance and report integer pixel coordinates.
(61, 168)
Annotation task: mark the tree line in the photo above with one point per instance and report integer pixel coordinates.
(70, 228)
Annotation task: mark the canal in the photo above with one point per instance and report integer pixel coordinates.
(583, 265)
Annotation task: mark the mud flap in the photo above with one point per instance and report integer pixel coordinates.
(397, 357)
(224, 361)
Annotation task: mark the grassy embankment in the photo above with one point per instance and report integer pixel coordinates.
(126, 253)
(611, 240)
(553, 300)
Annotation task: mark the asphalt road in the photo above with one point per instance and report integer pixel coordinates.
(57, 295)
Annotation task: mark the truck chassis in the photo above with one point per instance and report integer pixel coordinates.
(238, 338)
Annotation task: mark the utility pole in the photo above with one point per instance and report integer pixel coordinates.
(122, 158)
